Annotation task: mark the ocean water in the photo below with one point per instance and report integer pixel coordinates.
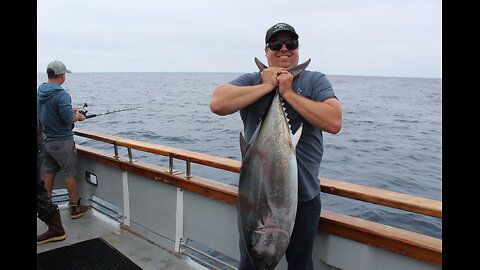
(391, 136)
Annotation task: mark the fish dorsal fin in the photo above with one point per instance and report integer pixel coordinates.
(296, 137)
(243, 145)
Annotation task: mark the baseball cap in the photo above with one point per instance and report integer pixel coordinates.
(58, 67)
(280, 27)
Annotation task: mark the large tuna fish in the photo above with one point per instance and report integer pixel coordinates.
(267, 201)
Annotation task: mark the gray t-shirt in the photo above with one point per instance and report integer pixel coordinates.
(312, 85)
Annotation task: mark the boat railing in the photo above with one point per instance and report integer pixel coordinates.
(409, 243)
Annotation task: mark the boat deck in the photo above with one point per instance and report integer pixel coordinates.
(138, 249)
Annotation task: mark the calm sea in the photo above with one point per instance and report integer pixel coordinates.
(391, 136)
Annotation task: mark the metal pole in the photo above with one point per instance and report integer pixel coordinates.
(170, 163)
(130, 158)
(187, 175)
(115, 148)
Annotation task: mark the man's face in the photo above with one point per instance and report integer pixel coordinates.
(284, 57)
(62, 78)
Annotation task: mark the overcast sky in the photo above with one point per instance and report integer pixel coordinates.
(400, 38)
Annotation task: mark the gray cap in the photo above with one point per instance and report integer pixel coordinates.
(58, 67)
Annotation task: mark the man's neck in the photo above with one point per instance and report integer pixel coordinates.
(57, 81)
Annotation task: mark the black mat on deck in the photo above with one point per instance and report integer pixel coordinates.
(90, 254)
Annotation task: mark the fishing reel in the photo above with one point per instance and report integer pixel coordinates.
(84, 110)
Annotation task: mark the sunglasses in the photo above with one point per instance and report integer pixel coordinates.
(291, 44)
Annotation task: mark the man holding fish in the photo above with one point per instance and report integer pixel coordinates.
(310, 107)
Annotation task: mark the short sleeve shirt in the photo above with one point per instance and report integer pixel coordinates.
(312, 85)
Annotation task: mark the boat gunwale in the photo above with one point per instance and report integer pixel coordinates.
(391, 199)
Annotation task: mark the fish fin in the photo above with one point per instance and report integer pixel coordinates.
(243, 145)
(261, 66)
(297, 135)
(257, 129)
(284, 107)
(298, 69)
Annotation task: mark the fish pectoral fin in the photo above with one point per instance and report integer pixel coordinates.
(297, 135)
(243, 145)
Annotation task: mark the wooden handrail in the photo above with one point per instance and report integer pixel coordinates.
(368, 194)
(204, 159)
(383, 197)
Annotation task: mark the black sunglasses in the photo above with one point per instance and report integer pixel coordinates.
(291, 44)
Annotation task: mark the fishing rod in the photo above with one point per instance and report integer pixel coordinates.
(84, 111)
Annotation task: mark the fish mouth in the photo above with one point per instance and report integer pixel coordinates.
(270, 244)
(268, 235)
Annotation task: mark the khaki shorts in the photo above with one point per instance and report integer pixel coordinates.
(60, 155)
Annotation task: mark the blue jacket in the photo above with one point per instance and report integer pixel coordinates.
(54, 108)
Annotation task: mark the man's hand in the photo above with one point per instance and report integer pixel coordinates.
(77, 115)
(285, 82)
(80, 116)
(269, 76)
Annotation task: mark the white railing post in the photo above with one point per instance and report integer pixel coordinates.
(179, 220)
(126, 199)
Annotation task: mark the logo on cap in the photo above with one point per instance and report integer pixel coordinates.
(280, 27)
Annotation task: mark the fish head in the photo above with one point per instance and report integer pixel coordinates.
(268, 246)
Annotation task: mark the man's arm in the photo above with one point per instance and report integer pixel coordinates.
(326, 115)
(229, 98)
(65, 110)
(77, 116)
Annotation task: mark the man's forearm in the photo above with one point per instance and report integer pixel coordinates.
(326, 115)
(228, 98)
